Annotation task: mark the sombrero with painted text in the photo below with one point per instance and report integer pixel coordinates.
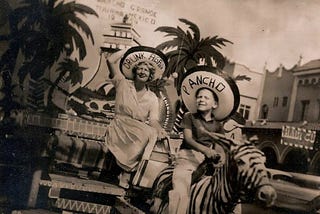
(221, 84)
(138, 54)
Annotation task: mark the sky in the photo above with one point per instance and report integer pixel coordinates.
(263, 32)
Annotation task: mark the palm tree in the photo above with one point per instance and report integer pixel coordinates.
(69, 70)
(43, 30)
(6, 62)
(185, 50)
(49, 33)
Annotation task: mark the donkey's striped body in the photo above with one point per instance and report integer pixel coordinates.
(243, 172)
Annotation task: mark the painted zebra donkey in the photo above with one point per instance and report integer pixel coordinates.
(242, 175)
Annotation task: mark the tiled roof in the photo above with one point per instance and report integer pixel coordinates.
(313, 64)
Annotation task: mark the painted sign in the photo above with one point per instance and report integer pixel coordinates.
(298, 137)
(139, 12)
(133, 58)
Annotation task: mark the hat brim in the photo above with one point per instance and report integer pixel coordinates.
(138, 54)
(222, 85)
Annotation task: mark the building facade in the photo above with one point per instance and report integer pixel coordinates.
(305, 97)
(292, 94)
(120, 36)
(249, 83)
(276, 94)
(290, 106)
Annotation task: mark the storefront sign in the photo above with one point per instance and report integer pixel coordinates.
(298, 137)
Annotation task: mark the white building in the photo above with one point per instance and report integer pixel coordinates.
(250, 84)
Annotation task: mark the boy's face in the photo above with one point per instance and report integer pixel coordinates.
(205, 100)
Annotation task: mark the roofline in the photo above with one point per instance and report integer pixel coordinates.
(125, 27)
(306, 71)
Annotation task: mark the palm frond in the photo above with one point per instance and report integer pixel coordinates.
(7, 61)
(54, 52)
(81, 25)
(213, 54)
(172, 65)
(83, 9)
(193, 27)
(33, 42)
(75, 70)
(172, 53)
(218, 58)
(216, 41)
(19, 14)
(242, 77)
(24, 71)
(192, 42)
(79, 43)
(71, 7)
(169, 44)
(171, 31)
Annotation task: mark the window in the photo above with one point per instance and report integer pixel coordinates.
(265, 110)
(318, 109)
(244, 110)
(275, 101)
(285, 101)
(305, 108)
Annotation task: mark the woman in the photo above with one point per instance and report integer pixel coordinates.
(136, 107)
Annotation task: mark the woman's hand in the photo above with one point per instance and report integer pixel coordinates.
(113, 61)
(160, 131)
(115, 57)
(162, 134)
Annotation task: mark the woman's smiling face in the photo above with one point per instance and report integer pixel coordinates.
(142, 73)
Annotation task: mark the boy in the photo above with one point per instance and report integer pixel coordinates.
(197, 145)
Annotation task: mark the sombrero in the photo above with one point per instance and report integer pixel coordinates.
(209, 77)
(137, 54)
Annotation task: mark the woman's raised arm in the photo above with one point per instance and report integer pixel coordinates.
(113, 62)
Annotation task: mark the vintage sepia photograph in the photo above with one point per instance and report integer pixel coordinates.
(159, 106)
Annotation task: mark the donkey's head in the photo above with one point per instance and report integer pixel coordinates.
(251, 181)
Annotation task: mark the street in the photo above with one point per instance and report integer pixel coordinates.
(255, 209)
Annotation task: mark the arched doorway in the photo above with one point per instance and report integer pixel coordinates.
(296, 160)
(315, 164)
(272, 161)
